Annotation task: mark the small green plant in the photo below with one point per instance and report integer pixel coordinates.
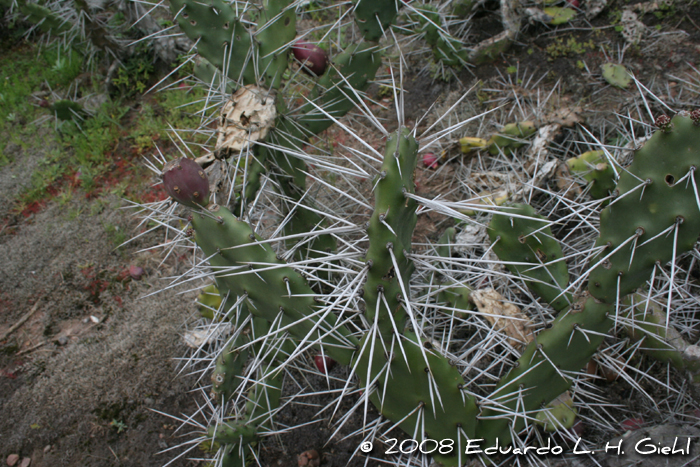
(666, 10)
(118, 425)
(561, 47)
(135, 75)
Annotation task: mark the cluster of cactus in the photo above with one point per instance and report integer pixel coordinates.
(409, 382)
(379, 330)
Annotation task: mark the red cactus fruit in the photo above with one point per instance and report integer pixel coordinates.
(324, 364)
(186, 182)
(430, 160)
(313, 58)
(578, 428)
(573, 3)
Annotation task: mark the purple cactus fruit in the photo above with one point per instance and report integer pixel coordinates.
(186, 182)
(313, 58)
(578, 428)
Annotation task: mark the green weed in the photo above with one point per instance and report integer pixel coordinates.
(95, 151)
(175, 108)
(570, 46)
(116, 235)
(118, 425)
(134, 77)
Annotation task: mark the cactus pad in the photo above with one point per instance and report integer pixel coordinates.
(511, 136)
(595, 169)
(246, 266)
(221, 38)
(524, 240)
(407, 395)
(655, 214)
(373, 17)
(390, 231)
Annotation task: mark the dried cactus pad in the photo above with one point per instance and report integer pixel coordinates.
(247, 117)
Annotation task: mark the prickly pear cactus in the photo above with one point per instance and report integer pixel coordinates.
(411, 378)
(415, 338)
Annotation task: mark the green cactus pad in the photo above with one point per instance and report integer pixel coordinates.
(653, 209)
(617, 75)
(229, 367)
(456, 296)
(353, 69)
(490, 49)
(247, 182)
(559, 15)
(522, 238)
(560, 414)
(647, 321)
(238, 435)
(447, 238)
(221, 38)
(400, 390)
(246, 266)
(276, 31)
(390, 231)
(655, 215)
(595, 169)
(373, 17)
(239, 432)
(209, 74)
(568, 345)
(357, 66)
(48, 20)
(289, 173)
(446, 48)
(209, 300)
(463, 8)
